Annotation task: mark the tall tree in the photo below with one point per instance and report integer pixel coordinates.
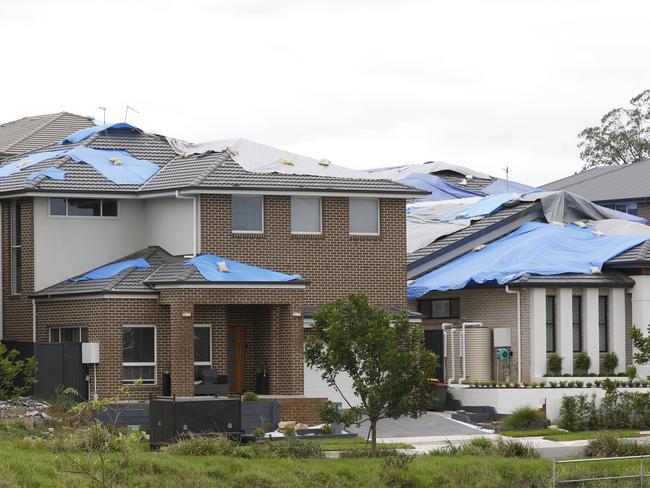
(384, 355)
(622, 137)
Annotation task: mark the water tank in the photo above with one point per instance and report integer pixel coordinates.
(478, 351)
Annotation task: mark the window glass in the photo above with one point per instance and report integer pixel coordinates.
(109, 208)
(603, 324)
(83, 207)
(550, 323)
(577, 323)
(16, 251)
(131, 374)
(247, 213)
(305, 215)
(138, 345)
(201, 344)
(54, 335)
(70, 334)
(443, 308)
(364, 215)
(57, 206)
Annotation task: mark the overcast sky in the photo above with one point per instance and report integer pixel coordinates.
(486, 84)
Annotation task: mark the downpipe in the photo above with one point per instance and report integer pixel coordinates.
(518, 293)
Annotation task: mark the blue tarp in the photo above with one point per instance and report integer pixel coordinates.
(485, 206)
(84, 134)
(54, 173)
(118, 166)
(111, 270)
(207, 265)
(27, 161)
(536, 248)
(505, 186)
(439, 188)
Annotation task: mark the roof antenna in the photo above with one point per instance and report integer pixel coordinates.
(507, 170)
(104, 110)
(126, 112)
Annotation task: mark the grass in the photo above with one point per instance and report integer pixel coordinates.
(529, 433)
(558, 435)
(354, 444)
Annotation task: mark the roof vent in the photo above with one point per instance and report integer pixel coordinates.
(288, 162)
(223, 267)
(324, 162)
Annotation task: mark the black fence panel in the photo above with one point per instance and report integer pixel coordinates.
(433, 341)
(25, 350)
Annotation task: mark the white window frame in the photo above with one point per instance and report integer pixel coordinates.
(378, 218)
(205, 363)
(234, 231)
(15, 210)
(83, 217)
(155, 355)
(79, 327)
(320, 218)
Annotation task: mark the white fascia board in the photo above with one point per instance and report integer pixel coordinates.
(229, 285)
(129, 296)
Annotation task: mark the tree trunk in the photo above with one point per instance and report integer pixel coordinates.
(373, 432)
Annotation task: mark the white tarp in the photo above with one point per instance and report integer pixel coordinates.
(400, 172)
(610, 227)
(260, 158)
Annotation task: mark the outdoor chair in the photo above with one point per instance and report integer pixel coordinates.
(213, 384)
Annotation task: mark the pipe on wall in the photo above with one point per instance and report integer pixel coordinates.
(518, 293)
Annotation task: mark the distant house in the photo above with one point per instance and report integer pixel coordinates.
(624, 188)
(30, 133)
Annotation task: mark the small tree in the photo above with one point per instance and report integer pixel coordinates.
(384, 355)
(611, 362)
(555, 364)
(641, 344)
(583, 362)
(12, 371)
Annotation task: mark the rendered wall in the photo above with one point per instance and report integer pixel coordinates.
(168, 224)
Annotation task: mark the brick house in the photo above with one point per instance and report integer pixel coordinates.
(65, 220)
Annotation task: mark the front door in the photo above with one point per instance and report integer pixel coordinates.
(236, 358)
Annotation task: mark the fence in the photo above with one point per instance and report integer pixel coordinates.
(640, 476)
(59, 364)
(433, 341)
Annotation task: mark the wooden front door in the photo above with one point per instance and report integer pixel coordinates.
(236, 358)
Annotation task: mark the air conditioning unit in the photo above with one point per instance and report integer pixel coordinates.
(90, 353)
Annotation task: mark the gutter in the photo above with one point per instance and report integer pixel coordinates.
(194, 219)
(518, 293)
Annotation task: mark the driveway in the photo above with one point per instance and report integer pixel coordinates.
(429, 425)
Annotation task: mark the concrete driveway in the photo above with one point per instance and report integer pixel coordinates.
(431, 424)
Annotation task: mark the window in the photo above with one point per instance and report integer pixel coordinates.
(16, 249)
(139, 354)
(577, 323)
(603, 323)
(550, 323)
(202, 349)
(364, 216)
(443, 308)
(69, 334)
(305, 215)
(626, 207)
(83, 207)
(248, 213)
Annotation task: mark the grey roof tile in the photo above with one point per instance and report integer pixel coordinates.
(574, 279)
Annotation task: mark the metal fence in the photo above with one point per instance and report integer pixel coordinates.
(640, 476)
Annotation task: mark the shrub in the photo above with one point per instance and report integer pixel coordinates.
(578, 412)
(631, 373)
(13, 369)
(195, 445)
(611, 362)
(482, 446)
(250, 396)
(295, 449)
(611, 446)
(326, 429)
(96, 437)
(578, 384)
(583, 362)
(555, 364)
(523, 417)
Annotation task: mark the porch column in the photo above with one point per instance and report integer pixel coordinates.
(641, 312)
(287, 353)
(617, 329)
(182, 348)
(565, 328)
(537, 332)
(590, 327)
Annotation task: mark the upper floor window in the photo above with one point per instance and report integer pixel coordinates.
(248, 213)
(440, 308)
(83, 207)
(364, 216)
(305, 215)
(626, 207)
(69, 334)
(16, 248)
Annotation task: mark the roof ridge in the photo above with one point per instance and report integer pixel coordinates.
(38, 128)
(211, 169)
(612, 170)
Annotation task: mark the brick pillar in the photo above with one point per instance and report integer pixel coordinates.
(287, 355)
(182, 348)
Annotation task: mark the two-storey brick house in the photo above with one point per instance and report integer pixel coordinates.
(126, 197)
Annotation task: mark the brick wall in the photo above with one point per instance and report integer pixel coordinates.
(17, 309)
(334, 262)
(301, 409)
(643, 210)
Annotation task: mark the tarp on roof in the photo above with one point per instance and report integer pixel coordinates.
(54, 173)
(118, 166)
(618, 226)
(113, 269)
(485, 206)
(83, 134)
(208, 266)
(260, 158)
(27, 161)
(536, 248)
(439, 188)
(397, 173)
(506, 186)
(564, 206)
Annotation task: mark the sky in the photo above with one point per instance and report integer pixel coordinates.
(363, 83)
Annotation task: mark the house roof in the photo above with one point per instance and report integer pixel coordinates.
(604, 280)
(607, 183)
(30, 133)
(215, 171)
(165, 269)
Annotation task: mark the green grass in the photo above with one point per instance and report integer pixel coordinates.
(355, 444)
(591, 434)
(529, 433)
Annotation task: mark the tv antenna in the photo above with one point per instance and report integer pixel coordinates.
(103, 109)
(126, 112)
(507, 170)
